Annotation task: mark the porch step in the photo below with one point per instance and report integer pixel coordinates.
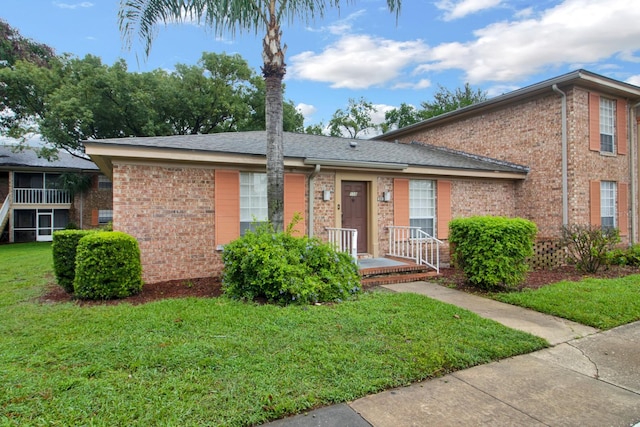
(396, 278)
(401, 273)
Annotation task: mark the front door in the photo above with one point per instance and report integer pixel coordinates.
(45, 227)
(354, 210)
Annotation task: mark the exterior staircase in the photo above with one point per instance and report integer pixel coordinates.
(4, 214)
(401, 272)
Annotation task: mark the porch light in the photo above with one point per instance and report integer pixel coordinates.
(386, 196)
(326, 195)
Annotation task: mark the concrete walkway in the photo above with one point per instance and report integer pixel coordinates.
(586, 379)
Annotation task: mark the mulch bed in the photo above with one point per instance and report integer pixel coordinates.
(210, 287)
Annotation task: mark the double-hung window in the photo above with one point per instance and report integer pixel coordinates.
(253, 200)
(422, 205)
(607, 125)
(608, 204)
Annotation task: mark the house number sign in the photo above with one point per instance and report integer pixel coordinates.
(353, 194)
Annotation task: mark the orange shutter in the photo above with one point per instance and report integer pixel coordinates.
(623, 208)
(227, 206)
(294, 201)
(95, 221)
(594, 204)
(443, 208)
(594, 122)
(401, 202)
(621, 126)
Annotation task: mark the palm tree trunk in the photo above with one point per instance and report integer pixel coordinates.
(273, 71)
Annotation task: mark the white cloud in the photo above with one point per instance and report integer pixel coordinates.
(421, 84)
(634, 80)
(460, 9)
(357, 61)
(575, 31)
(84, 4)
(306, 110)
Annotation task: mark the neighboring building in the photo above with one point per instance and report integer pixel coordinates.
(184, 197)
(578, 134)
(34, 204)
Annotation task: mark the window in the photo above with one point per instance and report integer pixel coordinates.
(608, 204)
(253, 200)
(607, 124)
(422, 205)
(105, 216)
(104, 183)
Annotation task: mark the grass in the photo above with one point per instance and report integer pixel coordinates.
(215, 361)
(601, 303)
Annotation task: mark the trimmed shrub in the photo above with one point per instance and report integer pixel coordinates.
(287, 270)
(629, 256)
(492, 251)
(588, 245)
(65, 243)
(107, 266)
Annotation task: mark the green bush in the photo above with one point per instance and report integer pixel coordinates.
(107, 266)
(629, 256)
(587, 245)
(65, 243)
(492, 251)
(287, 270)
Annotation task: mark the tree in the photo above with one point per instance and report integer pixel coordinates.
(444, 101)
(142, 16)
(353, 120)
(77, 99)
(14, 47)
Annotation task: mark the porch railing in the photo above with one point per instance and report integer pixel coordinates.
(39, 196)
(413, 243)
(344, 240)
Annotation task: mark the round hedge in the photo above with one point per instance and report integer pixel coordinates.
(64, 247)
(107, 266)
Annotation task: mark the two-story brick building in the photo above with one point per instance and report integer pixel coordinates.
(577, 133)
(34, 203)
(563, 151)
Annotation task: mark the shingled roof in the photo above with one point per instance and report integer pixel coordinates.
(318, 149)
(27, 158)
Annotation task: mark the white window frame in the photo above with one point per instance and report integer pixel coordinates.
(607, 125)
(608, 201)
(422, 205)
(253, 200)
(105, 216)
(104, 183)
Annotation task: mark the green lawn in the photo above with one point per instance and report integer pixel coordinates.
(215, 361)
(601, 303)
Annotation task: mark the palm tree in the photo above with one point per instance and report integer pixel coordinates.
(142, 16)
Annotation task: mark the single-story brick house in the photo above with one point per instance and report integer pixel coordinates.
(578, 134)
(184, 197)
(33, 204)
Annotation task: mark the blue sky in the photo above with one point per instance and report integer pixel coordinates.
(362, 51)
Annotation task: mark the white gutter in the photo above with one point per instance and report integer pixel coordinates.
(565, 189)
(311, 192)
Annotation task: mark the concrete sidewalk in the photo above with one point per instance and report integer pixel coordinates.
(586, 379)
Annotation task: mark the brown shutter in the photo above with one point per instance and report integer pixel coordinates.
(401, 202)
(621, 126)
(594, 203)
(95, 221)
(227, 206)
(294, 201)
(443, 208)
(623, 208)
(594, 122)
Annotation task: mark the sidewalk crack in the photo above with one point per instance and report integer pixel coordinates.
(595, 365)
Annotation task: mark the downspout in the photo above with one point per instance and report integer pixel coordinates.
(311, 197)
(565, 185)
(632, 170)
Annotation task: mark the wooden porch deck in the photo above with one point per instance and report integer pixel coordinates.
(386, 271)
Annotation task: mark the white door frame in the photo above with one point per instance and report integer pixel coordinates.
(44, 237)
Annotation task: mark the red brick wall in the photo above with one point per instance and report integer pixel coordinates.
(530, 133)
(170, 211)
(324, 212)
